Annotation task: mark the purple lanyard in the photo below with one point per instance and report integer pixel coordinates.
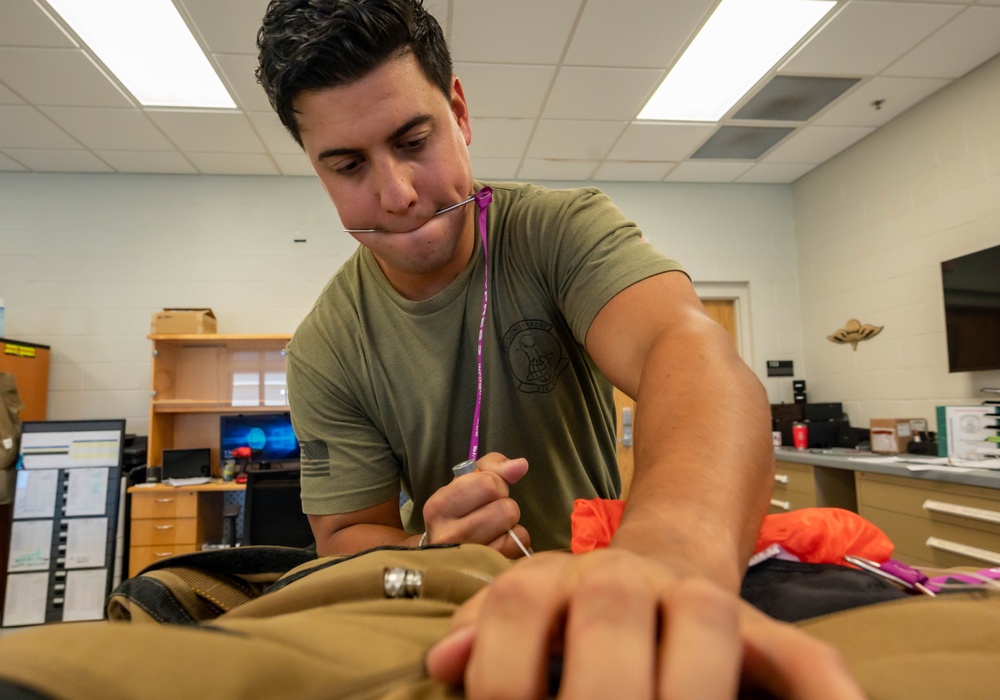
(483, 198)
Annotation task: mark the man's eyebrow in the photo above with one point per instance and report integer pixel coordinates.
(410, 124)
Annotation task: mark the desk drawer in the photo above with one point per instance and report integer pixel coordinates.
(790, 500)
(794, 487)
(920, 540)
(790, 477)
(164, 531)
(141, 557)
(910, 496)
(179, 504)
(934, 523)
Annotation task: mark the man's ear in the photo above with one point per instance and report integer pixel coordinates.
(460, 108)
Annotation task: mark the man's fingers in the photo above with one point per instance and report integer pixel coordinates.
(447, 659)
(610, 638)
(788, 663)
(700, 649)
(510, 470)
(516, 623)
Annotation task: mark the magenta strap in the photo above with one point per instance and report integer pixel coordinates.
(483, 199)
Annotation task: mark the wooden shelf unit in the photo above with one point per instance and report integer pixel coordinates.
(196, 379)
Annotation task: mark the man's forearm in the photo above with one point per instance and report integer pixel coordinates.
(703, 458)
(358, 538)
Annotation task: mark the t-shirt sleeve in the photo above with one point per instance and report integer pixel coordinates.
(586, 249)
(346, 463)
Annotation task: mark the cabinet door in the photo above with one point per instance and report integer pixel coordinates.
(934, 523)
(30, 366)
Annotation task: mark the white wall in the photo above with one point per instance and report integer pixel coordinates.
(872, 227)
(86, 259)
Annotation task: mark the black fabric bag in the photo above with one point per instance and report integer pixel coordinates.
(793, 590)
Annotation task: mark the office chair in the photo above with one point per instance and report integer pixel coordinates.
(272, 510)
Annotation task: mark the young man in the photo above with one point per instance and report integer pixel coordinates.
(440, 341)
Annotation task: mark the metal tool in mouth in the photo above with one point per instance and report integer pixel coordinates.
(471, 198)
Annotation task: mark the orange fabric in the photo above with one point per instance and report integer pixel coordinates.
(593, 523)
(817, 535)
(824, 535)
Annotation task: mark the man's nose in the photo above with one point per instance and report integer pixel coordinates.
(396, 191)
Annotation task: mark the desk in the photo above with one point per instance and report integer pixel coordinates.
(938, 518)
(168, 520)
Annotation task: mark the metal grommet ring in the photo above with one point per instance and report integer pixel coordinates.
(400, 582)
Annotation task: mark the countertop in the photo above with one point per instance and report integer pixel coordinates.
(911, 466)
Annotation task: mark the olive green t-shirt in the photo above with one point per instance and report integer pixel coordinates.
(383, 389)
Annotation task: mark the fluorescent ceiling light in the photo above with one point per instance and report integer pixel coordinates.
(150, 49)
(741, 41)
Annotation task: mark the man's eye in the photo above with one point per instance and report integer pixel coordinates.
(348, 167)
(414, 144)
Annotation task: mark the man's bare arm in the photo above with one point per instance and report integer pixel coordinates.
(703, 459)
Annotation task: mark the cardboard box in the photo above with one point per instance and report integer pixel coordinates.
(183, 321)
(892, 435)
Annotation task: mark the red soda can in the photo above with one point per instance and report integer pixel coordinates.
(800, 435)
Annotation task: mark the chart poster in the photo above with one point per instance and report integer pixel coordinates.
(71, 449)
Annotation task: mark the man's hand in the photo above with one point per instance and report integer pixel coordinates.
(626, 627)
(477, 508)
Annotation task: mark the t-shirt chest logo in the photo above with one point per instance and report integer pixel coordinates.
(534, 355)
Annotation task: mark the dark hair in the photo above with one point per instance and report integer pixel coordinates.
(316, 44)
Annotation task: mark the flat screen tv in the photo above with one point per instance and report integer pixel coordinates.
(972, 310)
(268, 435)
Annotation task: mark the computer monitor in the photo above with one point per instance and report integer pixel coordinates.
(268, 435)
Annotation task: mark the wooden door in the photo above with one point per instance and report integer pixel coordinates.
(723, 312)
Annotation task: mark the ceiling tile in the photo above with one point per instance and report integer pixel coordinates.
(495, 168)
(707, 172)
(794, 97)
(46, 160)
(208, 132)
(26, 127)
(519, 31)
(58, 77)
(546, 169)
(273, 133)
(7, 97)
(26, 24)
(632, 171)
(297, 164)
(737, 142)
(659, 141)
(506, 89)
(573, 140)
(815, 144)
(500, 138)
(878, 32)
(775, 173)
(10, 165)
(552, 85)
(163, 162)
(233, 163)
(227, 26)
(600, 93)
(894, 95)
(113, 129)
(609, 34)
(976, 30)
(238, 72)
